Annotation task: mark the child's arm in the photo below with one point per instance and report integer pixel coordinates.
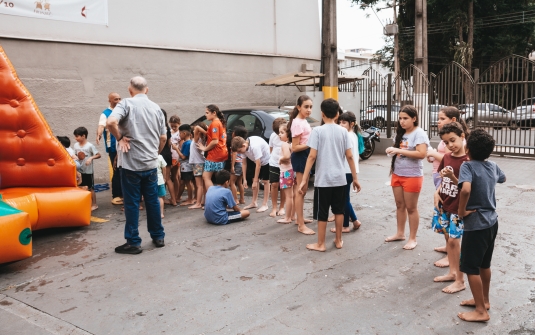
(449, 174)
(419, 153)
(256, 173)
(351, 162)
(244, 172)
(90, 159)
(285, 154)
(296, 147)
(236, 208)
(436, 197)
(306, 174)
(233, 161)
(463, 199)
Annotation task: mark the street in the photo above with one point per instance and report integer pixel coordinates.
(257, 277)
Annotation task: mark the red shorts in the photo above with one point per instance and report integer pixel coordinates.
(409, 184)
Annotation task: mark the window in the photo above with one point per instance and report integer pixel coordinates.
(250, 122)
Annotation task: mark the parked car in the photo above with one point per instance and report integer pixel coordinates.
(258, 121)
(524, 114)
(488, 114)
(376, 116)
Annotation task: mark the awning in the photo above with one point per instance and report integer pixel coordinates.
(305, 79)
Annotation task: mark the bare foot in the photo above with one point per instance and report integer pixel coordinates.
(273, 213)
(308, 220)
(410, 245)
(242, 202)
(339, 245)
(448, 277)
(344, 230)
(471, 303)
(141, 208)
(262, 209)
(195, 207)
(356, 225)
(315, 247)
(395, 238)
(453, 288)
(474, 316)
(163, 216)
(306, 231)
(441, 249)
(94, 207)
(330, 219)
(281, 212)
(443, 263)
(187, 203)
(285, 220)
(251, 205)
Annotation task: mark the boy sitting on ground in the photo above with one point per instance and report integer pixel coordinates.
(218, 199)
(477, 207)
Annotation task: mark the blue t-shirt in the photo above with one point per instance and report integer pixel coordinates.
(217, 200)
(184, 163)
(483, 175)
(112, 146)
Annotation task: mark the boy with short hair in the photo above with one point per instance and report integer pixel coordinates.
(236, 167)
(66, 142)
(477, 207)
(218, 199)
(275, 144)
(86, 152)
(257, 150)
(186, 171)
(329, 146)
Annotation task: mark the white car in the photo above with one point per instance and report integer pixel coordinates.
(525, 117)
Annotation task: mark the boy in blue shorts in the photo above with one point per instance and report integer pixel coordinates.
(477, 207)
(218, 199)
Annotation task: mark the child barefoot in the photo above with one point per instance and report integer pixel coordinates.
(447, 203)
(86, 152)
(161, 182)
(196, 160)
(274, 168)
(477, 207)
(218, 199)
(236, 168)
(287, 175)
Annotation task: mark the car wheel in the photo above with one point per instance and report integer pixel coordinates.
(470, 123)
(379, 122)
(513, 125)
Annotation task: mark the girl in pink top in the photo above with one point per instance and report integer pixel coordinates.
(300, 132)
(445, 115)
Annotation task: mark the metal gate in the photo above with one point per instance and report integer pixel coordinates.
(505, 96)
(373, 99)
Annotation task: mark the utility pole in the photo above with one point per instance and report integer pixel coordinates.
(329, 52)
(421, 87)
(396, 55)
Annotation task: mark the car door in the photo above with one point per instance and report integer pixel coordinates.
(483, 116)
(498, 115)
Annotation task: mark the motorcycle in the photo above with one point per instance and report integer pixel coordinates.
(370, 136)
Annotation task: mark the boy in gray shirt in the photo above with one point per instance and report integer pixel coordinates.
(477, 207)
(329, 147)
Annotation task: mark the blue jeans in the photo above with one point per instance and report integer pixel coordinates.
(349, 212)
(136, 184)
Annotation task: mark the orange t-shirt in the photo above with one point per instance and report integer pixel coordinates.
(219, 153)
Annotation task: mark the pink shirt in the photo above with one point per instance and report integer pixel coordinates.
(301, 127)
(441, 149)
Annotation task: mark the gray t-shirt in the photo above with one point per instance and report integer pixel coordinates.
(195, 154)
(89, 150)
(331, 141)
(483, 175)
(142, 121)
(411, 167)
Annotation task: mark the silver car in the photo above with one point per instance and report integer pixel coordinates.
(490, 115)
(525, 117)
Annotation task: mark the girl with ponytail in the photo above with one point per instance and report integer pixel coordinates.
(300, 132)
(409, 150)
(216, 144)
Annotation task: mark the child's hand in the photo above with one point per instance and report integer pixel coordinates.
(356, 186)
(232, 170)
(245, 184)
(392, 150)
(447, 172)
(255, 184)
(463, 212)
(201, 147)
(88, 161)
(436, 199)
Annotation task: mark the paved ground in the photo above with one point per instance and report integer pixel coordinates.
(256, 277)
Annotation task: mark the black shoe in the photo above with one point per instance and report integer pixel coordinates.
(158, 243)
(128, 249)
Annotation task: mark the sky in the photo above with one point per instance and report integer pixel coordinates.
(355, 30)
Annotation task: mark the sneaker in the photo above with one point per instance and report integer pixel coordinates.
(117, 201)
(158, 243)
(128, 249)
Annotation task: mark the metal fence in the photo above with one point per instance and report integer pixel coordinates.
(501, 100)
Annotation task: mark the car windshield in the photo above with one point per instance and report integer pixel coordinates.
(286, 115)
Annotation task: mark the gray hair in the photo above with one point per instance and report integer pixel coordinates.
(138, 83)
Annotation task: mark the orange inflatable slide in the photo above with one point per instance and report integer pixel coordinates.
(37, 176)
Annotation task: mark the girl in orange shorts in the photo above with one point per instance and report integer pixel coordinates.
(409, 150)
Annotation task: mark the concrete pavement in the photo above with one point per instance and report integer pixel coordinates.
(256, 277)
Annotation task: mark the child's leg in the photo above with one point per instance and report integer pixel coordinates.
(454, 253)
(170, 185)
(274, 194)
(233, 179)
(266, 197)
(199, 183)
(161, 206)
(181, 187)
(93, 200)
(190, 201)
(450, 276)
(207, 179)
(239, 181)
(401, 215)
(299, 201)
(320, 246)
(175, 180)
(282, 204)
(477, 288)
(254, 204)
(411, 202)
(244, 214)
(288, 204)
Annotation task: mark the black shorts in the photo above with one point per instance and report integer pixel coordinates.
(87, 180)
(186, 175)
(274, 174)
(299, 160)
(329, 197)
(264, 172)
(477, 247)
